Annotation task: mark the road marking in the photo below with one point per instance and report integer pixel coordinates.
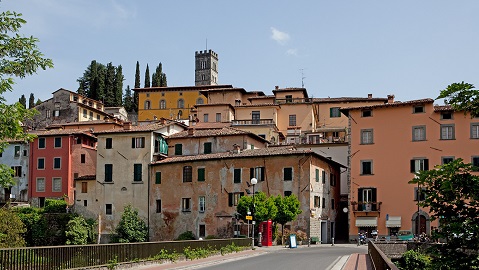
(338, 263)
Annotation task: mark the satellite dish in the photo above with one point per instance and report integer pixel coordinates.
(345, 209)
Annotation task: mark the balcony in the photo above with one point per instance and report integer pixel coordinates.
(256, 122)
(372, 208)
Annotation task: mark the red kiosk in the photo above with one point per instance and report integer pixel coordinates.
(266, 230)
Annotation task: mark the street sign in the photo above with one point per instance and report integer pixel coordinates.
(249, 217)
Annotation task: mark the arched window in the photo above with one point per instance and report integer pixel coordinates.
(147, 105)
(162, 104)
(181, 103)
(199, 101)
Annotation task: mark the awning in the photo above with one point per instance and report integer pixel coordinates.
(366, 222)
(393, 222)
(331, 129)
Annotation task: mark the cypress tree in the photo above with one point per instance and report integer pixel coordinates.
(154, 80)
(128, 100)
(137, 75)
(22, 100)
(31, 101)
(38, 102)
(119, 86)
(99, 83)
(147, 77)
(109, 85)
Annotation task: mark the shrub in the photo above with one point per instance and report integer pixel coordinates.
(131, 227)
(188, 235)
(413, 259)
(55, 206)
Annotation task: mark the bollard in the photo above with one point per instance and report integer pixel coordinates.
(309, 241)
(332, 241)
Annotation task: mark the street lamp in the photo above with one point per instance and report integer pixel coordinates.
(253, 182)
(418, 210)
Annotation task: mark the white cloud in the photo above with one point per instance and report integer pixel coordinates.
(292, 52)
(280, 37)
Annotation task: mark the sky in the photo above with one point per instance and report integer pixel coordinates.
(344, 48)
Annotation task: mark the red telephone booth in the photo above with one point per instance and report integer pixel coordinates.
(266, 229)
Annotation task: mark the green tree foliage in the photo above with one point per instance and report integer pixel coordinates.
(147, 76)
(109, 99)
(158, 77)
(23, 101)
(80, 231)
(128, 100)
(11, 229)
(38, 102)
(131, 227)
(188, 235)
(31, 101)
(264, 207)
(118, 86)
(462, 97)
(412, 260)
(19, 57)
(137, 75)
(55, 206)
(288, 209)
(32, 218)
(452, 196)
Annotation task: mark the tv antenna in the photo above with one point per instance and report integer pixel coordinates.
(302, 77)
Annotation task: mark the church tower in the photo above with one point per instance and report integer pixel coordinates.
(206, 68)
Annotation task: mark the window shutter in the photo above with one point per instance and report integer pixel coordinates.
(251, 173)
(317, 175)
(241, 194)
(323, 175)
(262, 173)
(360, 195)
(230, 199)
(413, 162)
(330, 112)
(426, 164)
(201, 174)
(158, 178)
(132, 142)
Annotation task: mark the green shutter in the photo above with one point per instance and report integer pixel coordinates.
(207, 147)
(237, 176)
(137, 172)
(317, 175)
(178, 149)
(158, 178)
(201, 174)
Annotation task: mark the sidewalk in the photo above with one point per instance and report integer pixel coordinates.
(358, 262)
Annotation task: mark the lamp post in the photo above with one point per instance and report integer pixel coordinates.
(253, 182)
(418, 199)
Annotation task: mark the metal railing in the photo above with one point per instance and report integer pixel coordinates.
(66, 257)
(252, 122)
(379, 259)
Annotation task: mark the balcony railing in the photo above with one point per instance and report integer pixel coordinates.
(253, 122)
(366, 206)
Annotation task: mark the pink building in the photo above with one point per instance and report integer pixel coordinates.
(388, 144)
(57, 157)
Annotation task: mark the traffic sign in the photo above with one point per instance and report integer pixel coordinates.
(249, 217)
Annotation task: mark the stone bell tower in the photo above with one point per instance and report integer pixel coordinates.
(206, 68)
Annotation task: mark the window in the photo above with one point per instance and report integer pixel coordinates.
(366, 113)
(292, 120)
(109, 143)
(367, 199)
(201, 204)
(49, 113)
(419, 193)
(446, 160)
(178, 149)
(147, 105)
(138, 142)
(317, 175)
(202, 230)
(255, 117)
(41, 143)
(108, 209)
(446, 115)
(418, 133)
(56, 184)
(366, 167)
(82, 158)
(56, 113)
(158, 206)
(91, 115)
(199, 101)
(162, 104)
(420, 164)
(323, 176)
(137, 172)
(57, 163)
(181, 103)
(237, 176)
(474, 130)
(257, 173)
(289, 98)
(85, 113)
(218, 117)
(317, 201)
(158, 178)
(447, 132)
(332, 203)
(334, 112)
(187, 174)
(17, 150)
(40, 184)
(332, 179)
(17, 171)
(207, 148)
(186, 204)
(41, 163)
(366, 136)
(475, 163)
(85, 203)
(108, 172)
(25, 153)
(288, 174)
(205, 118)
(233, 198)
(84, 187)
(97, 117)
(201, 174)
(323, 205)
(287, 193)
(418, 109)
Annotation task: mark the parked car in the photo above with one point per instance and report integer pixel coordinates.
(405, 235)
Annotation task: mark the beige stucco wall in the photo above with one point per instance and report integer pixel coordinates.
(227, 113)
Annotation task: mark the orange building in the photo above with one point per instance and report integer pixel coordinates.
(388, 144)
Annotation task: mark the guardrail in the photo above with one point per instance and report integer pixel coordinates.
(66, 257)
(379, 259)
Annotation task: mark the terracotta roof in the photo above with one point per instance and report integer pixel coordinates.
(261, 97)
(92, 122)
(251, 153)
(443, 108)
(86, 177)
(346, 99)
(182, 88)
(257, 105)
(83, 96)
(211, 125)
(385, 105)
(56, 132)
(140, 128)
(292, 89)
(214, 105)
(226, 131)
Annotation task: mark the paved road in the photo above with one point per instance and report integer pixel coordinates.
(321, 257)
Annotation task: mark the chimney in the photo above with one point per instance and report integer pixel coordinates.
(191, 131)
(390, 99)
(236, 149)
(127, 126)
(370, 96)
(163, 121)
(276, 87)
